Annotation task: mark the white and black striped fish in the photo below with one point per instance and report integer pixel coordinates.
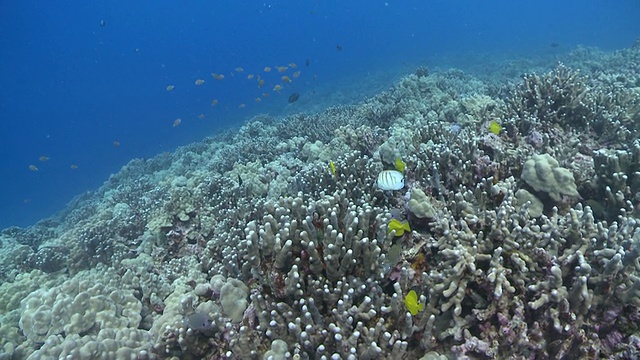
(390, 180)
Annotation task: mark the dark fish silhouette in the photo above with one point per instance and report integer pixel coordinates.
(339, 47)
(293, 98)
(308, 62)
(103, 23)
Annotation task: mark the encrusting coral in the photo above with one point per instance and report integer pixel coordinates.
(518, 241)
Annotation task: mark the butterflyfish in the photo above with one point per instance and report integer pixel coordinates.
(412, 304)
(390, 180)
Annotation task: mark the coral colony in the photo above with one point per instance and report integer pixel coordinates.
(449, 217)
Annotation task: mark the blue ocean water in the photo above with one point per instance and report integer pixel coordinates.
(84, 83)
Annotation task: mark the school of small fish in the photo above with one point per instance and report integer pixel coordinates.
(288, 73)
(285, 76)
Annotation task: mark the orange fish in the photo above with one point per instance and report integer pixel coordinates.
(267, 69)
(217, 76)
(33, 167)
(281, 69)
(286, 79)
(170, 87)
(177, 122)
(250, 76)
(116, 143)
(43, 158)
(214, 102)
(199, 82)
(73, 166)
(293, 65)
(296, 74)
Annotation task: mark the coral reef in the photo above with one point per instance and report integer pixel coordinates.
(523, 242)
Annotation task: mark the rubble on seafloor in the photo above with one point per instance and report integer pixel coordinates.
(524, 238)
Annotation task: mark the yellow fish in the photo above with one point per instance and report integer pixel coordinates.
(412, 304)
(73, 166)
(177, 122)
(281, 69)
(332, 168)
(296, 74)
(199, 82)
(239, 69)
(400, 165)
(217, 76)
(33, 167)
(293, 65)
(495, 128)
(399, 226)
(267, 69)
(286, 79)
(170, 87)
(43, 158)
